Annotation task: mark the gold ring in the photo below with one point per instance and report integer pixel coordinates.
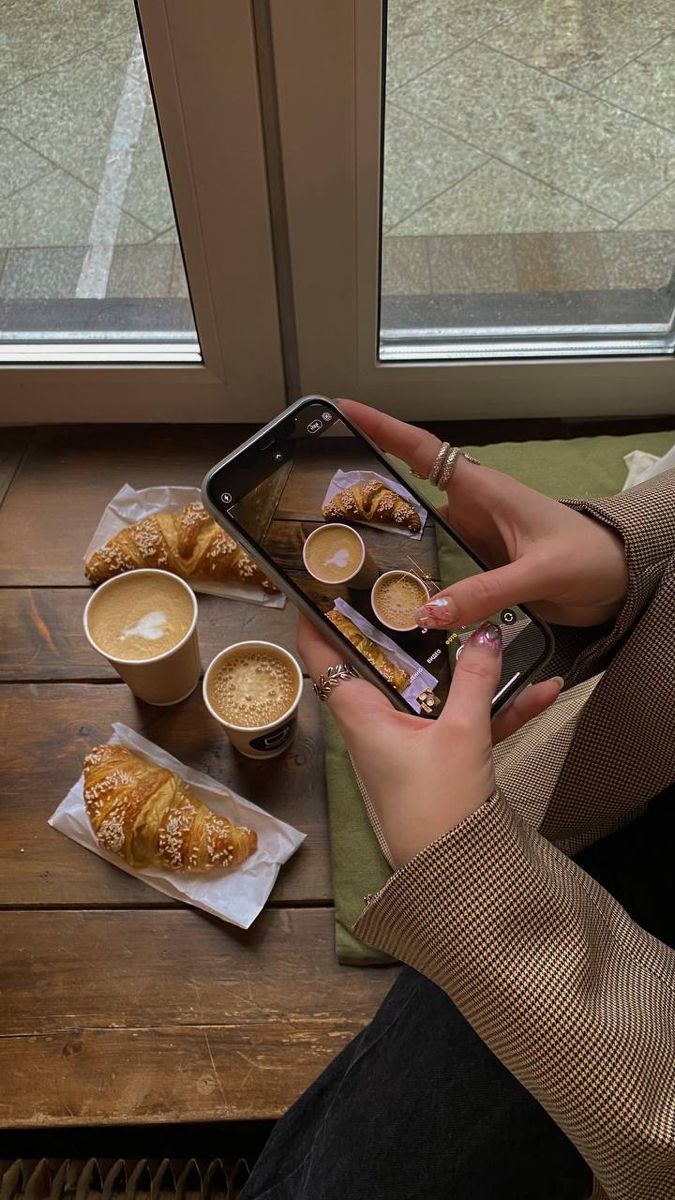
(444, 465)
(436, 465)
(447, 467)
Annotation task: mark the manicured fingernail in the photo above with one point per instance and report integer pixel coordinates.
(559, 680)
(488, 635)
(439, 613)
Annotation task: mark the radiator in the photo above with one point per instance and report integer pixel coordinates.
(121, 1179)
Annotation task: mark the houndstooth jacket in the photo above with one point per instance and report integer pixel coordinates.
(575, 998)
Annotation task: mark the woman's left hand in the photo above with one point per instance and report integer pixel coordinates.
(422, 776)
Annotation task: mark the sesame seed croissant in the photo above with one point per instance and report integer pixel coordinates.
(150, 818)
(188, 543)
(376, 656)
(372, 501)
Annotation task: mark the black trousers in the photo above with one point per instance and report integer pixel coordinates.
(417, 1106)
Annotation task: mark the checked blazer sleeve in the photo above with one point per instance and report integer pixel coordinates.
(644, 517)
(575, 998)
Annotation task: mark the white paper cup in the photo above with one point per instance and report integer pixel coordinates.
(361, 576)
(374, 593)
(167, 678)
(257, 741)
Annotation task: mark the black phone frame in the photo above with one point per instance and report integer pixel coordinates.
(253, 462)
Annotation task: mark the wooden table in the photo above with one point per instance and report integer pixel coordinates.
(117, 1004)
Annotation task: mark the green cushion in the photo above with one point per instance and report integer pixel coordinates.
(591, 466)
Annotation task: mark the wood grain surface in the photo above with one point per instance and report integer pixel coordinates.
(13, 446)
(148, 1016)
(165, 1074)
(70, 474)
(49, 728)
(41, 634)
(118, 1004)
(306, 486)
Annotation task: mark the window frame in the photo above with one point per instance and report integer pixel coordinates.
(328, 62)
(203, 68)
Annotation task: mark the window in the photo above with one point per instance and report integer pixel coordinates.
(528, 202)
(90, 260)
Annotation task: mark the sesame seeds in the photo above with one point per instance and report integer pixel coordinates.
(150, 542)
(218, 829)
(148, 816)
(372, 501)
(188, 543)
(172, 839)
(110, 832)
(193, 515)
(211, 846)
(96, 756)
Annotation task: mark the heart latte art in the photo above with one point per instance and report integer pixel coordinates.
(141, 617)
(152, 626)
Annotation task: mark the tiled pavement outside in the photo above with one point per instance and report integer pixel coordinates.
(530, 146)
(81, 166)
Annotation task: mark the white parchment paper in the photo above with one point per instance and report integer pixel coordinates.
(237, 894)
(421, 680)
(346, 479)
(130, 505)
(642, 466)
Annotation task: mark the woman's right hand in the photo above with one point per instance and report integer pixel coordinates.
(568, 567)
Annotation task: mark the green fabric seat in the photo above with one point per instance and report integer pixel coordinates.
(578, 467)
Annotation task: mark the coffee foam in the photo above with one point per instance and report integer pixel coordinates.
(333, 553)
(339, 559)
(396, 599)
(152, 626)
(252, 689)
(140, 616)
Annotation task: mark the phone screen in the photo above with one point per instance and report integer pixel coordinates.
(338, 522)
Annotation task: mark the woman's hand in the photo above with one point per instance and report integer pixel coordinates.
(569, 568)
(423, 777)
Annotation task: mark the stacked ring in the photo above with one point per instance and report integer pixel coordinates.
(444, 464)
(439, 462)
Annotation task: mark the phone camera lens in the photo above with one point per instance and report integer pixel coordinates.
(279, 456)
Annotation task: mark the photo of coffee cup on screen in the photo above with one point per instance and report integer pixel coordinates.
(337, 554)
(395, 598)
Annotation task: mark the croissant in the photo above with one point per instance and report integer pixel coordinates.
(394, 675)
(150, 818)
(372, 501)
(188, 543)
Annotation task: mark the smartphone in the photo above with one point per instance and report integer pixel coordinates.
(357, 548)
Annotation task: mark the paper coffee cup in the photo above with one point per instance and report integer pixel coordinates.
(376, 592)
(257, 741)
(165, 678)
(359, 575)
